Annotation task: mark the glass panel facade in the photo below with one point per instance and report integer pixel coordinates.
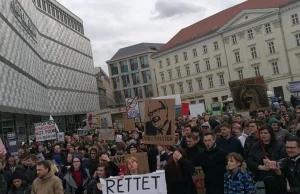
(124, 66)
(138, 92)
(144, 61)
(126, 81)
(133, 64)
(118, 97)
(136, 78)
(116, 82)
(114, 69)
(127, 93)
(148, 91)
(146, 76)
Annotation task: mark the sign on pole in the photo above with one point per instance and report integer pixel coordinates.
(45, 131)
(132, 107)
(61, 137)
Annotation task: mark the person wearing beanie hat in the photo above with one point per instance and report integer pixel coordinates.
(225, 119)
(132, 148)
(19, 185)
(281, 134)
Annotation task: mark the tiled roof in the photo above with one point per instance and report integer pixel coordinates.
(215, 22)
(135, 49)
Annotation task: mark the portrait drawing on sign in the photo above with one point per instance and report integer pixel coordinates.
(158, 119)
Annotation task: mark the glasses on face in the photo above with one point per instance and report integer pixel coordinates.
(150, 114)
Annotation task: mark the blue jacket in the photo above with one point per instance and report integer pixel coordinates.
(239, 183)
(231, 145)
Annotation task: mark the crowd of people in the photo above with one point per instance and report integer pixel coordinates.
(239, 154)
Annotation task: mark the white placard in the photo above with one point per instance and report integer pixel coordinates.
(152, 183)
(132, 108)
(61, 137)
(45, 131)
(196, 109)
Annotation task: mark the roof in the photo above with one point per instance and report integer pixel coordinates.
(135, 49)
(215, 22)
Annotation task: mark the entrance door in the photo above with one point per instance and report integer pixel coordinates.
(278, 92)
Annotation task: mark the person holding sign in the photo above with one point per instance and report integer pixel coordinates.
(132, 166)
(179, 172)
(103, 172)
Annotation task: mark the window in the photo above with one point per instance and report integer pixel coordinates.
(234, 41)
(237, 57)
(222, 81)
(216, 45)
(165, 91)
(256, 71)
(195, 52)
(250, 34)
(176, 58)
(162, 75)
(124, 66)
(211, 82)
(118, 97)
(275, 68)
(116, 82)
(144, 62)
(160, 64)
(127, 93)
(185, 56)
(268, 28)
(271, 47)
(204, 49)
(136, 78)
(298, 39)
(148, 91)
(39, 3)
(295, 19)
(178, 72)
(172, 89)
(170, 74)
(253, 52)
(197, 68)
(126, 81)
(114, 69)
(219, 62)
(134, 64)
(240, 72)
(181, 88)
(190, 86)
(187, 68)
(168, 61)
(44, 5)
(138, 92)
(146, 76)
(200, 84)
(207, 65)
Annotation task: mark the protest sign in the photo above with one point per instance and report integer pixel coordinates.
(81, 132)
(249, 94)
(160, 122)
(13, 147)
(100, 119)
(61, 137)
(45, 131)
(106, 134)
(198, 178)
(185, 109)
(142, 158)
(2, 148)
(129, 124)
(152, 183)
(132, 107)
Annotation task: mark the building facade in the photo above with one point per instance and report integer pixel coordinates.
(46, 67)
(254, 38)
(132, 74)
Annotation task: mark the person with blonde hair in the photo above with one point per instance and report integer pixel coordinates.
(132, 166)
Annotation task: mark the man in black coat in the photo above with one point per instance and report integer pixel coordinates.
(193, 152)
(213, 164)
(93, 161)
(6, 178)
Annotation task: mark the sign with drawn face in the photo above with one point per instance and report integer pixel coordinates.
(132, 107)
(160, 121)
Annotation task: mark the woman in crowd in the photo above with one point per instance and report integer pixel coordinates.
(236, 180)
(76, 174)
(267, 148)
(132, 166)
(114, 169)
(103, 172)
(68, 163)
(19, 185)
(179, 172)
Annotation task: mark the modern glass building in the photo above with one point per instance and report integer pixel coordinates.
(46, 67)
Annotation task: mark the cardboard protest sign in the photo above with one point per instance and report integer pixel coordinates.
(100, 119)
(129, 124)
(106, 134)
(45, 131)
(160, 121)
(152, 183)
(198, 178)
(61, 137)
(142, 158)
(132, 107)
(249, 94)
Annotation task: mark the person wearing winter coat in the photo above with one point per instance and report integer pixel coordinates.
(3, 184)
(236, 181)
(93, 161)
(19, 185)
(31, 173)
(179, 172)
(103, 171)
(77, 178)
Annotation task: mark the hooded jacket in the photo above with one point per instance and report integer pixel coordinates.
(71, 185)
(50, 184)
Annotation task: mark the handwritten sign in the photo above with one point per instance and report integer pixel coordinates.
(198, 178)
(132, 107)
(45, 131)
(152, 183)
(61, 137)
(106, 134)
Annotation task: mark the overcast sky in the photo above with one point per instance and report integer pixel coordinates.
(114, 24)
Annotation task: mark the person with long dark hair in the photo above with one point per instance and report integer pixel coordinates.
(103, 172)
(19, 184)
(179, 173)
(77, 177)
(268, 148)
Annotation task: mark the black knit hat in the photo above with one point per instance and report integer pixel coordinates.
(18, 174)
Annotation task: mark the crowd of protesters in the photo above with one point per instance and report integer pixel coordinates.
(239, 154)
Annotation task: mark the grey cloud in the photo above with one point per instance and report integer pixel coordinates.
(171, 8)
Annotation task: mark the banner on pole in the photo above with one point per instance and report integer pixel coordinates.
(45, 131)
